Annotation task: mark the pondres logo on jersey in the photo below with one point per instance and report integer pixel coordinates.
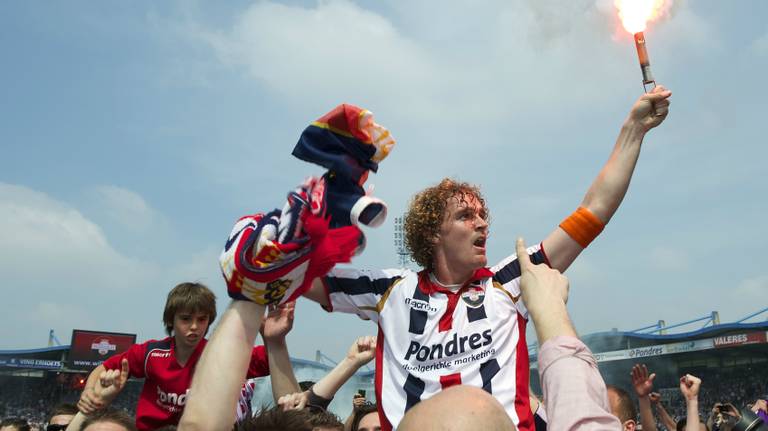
(457, 345)
(171, 401)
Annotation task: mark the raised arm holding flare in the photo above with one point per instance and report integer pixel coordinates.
(607, 191)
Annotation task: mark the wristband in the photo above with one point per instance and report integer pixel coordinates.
(583, 226)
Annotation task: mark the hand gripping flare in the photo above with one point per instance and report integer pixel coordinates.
(273, 258)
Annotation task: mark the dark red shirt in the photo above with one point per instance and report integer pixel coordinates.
(166, 383)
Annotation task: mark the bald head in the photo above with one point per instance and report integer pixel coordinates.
(458, 408)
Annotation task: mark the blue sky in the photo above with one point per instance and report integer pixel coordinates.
(134, 134)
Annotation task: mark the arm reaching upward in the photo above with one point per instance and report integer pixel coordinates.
(609, 187)
(689, 387)
(360, 353)
(277, 324)
(643, 384)
(222, 368)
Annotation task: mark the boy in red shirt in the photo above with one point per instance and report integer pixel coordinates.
(167, 365)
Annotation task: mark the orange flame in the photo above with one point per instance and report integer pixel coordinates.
(635, 14)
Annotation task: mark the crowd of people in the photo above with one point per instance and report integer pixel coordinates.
(450, 352)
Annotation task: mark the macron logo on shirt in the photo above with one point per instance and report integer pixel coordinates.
(419, 305)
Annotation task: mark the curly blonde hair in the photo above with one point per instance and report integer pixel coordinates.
(426, 214)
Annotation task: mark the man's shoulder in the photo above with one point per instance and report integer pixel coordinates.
(349, 281)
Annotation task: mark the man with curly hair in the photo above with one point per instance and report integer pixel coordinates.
(457, 321)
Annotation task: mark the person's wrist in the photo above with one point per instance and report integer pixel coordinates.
(634, 128)
(275, 340)
(552, 323)
(352, 362)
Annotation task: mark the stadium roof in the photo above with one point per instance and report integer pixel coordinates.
(612, 340)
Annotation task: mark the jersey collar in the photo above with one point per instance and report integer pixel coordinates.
(428, 287)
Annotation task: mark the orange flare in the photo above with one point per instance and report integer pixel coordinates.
(635, 14)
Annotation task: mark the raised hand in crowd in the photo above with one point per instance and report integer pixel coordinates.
(321, 393)
(111, 382)
(689, 387)
(108, 385)
(277, 324)
(360, 353)
(642, 381)
(643, 384)
(358, 400)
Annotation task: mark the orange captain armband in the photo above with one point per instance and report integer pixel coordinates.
(582, 226)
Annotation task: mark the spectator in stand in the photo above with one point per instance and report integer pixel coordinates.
(623, 407)
(60, 417)
(14, 424)
(167, 365)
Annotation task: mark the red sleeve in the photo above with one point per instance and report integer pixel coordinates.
(259, 365)
(135, 355)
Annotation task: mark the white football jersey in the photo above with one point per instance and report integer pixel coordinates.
(431, 338)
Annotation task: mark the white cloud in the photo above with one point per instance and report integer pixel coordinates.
(478, 68)
(126, 207)
(61, 272)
